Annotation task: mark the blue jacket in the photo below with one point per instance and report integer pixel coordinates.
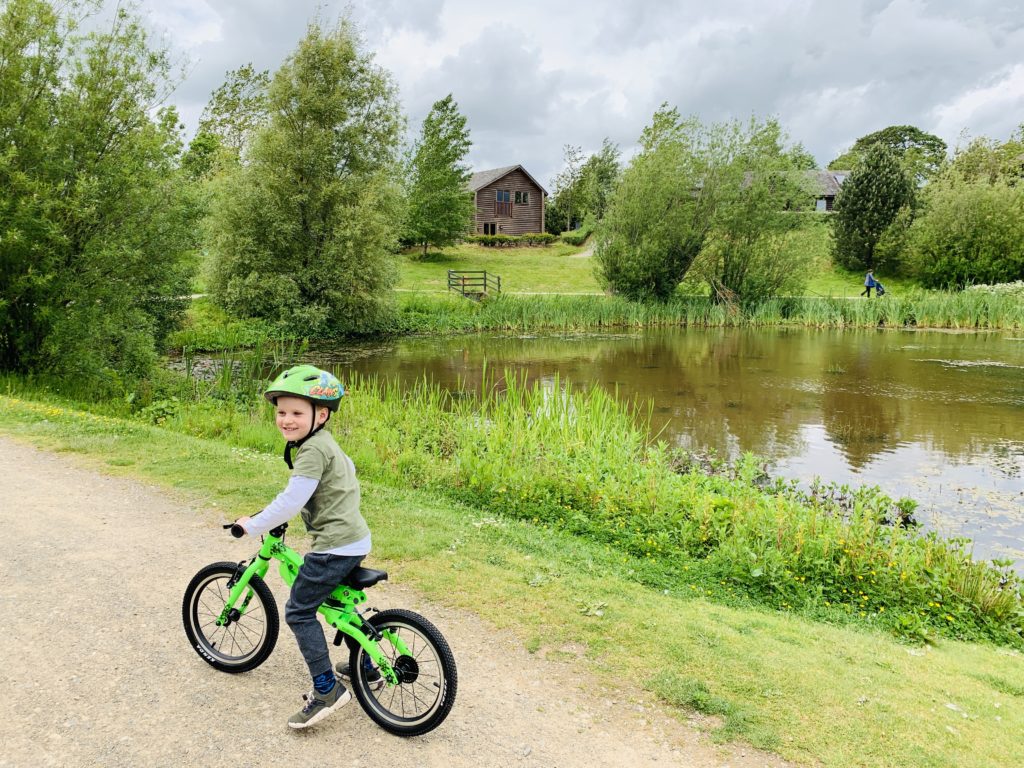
(869, 281)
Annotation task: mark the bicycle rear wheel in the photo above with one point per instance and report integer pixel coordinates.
(248, 638)
(427, 677)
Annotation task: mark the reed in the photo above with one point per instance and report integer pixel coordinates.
(922, 309)
(581, 462)
(578, 462)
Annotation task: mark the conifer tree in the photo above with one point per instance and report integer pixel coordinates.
(867, 204)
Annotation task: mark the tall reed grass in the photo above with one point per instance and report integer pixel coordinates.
(422, 313)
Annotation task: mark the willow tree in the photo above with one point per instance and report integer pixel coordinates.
(660, 213)
(304, 233)
(759, 185)
(96, 220)
(708, 198)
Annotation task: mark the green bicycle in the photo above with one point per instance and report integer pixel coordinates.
(232, 622)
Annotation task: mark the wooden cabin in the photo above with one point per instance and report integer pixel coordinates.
(825, 185)
(508, 201)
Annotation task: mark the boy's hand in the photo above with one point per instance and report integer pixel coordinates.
(240, 522)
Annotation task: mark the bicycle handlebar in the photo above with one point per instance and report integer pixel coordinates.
(236, 530)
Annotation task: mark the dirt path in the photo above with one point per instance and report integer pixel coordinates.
(95, 669)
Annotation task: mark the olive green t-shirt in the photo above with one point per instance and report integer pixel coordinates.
(332, 514)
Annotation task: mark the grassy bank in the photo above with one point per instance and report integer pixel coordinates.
(207, 328)
(816, 693)
(556, 268)
(581, 462)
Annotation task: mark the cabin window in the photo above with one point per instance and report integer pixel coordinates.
(819, 204)
(502, 202)
(490, 228)
(522, 198)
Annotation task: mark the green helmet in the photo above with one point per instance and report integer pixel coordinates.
(309, 383)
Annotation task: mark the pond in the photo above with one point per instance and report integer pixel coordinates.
(936, 416)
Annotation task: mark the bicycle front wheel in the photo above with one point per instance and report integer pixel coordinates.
(249, 635)
(427, 678)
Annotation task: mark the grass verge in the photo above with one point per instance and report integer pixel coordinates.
(814, 693)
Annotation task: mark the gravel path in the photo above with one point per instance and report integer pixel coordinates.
(96, 670)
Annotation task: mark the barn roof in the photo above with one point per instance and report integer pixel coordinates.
(481, 179)
(827, 182)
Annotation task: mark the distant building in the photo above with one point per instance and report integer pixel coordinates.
(508, 201)
(825, 186)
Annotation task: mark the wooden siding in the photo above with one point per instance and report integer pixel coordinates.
(514, 219)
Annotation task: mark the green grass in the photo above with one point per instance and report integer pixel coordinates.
(552, 269)
(580, 462)
(833, 281)
(816, 694)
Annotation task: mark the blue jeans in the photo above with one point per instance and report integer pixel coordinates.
(319, 575)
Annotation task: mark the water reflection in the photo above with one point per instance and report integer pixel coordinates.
(938, 416)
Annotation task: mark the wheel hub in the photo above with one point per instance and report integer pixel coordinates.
(407, 669)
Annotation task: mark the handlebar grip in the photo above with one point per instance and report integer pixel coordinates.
(237, 531)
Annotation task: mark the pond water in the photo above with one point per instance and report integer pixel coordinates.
(932, 415)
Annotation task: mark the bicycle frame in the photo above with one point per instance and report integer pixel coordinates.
(343, 615)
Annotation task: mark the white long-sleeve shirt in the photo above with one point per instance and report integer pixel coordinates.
(289, 503)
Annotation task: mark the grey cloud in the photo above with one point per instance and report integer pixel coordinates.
(892, 66)
(830, 71)
(381, 16)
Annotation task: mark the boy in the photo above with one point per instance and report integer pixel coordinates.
(323, 486)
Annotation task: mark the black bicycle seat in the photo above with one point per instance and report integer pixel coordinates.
(361, 578)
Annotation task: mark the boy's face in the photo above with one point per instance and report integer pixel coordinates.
(295, 417)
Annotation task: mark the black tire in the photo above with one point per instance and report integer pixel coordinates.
(245, 643)
(424, 697)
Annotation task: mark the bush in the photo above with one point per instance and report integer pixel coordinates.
(579, 236)
(971, 232)
(513, 241)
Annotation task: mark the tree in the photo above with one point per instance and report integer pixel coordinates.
(97, 221)
(971, 231)
(991, 160)
(660, 214)
(747, 257)
(237, 108)
(562, 211)
(867, 204)
(440, 210)
(707, 198)
(582, 189)
(597, 180)
(304, 232)
(802, 159)
(920, 153)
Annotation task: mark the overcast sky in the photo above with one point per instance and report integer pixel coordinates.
(534, 75)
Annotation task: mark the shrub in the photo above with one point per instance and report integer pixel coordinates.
(971, 232)
(513, 241)
(579, 236)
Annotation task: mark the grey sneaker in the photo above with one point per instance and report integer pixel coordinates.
(320, 705)
(373, 678)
